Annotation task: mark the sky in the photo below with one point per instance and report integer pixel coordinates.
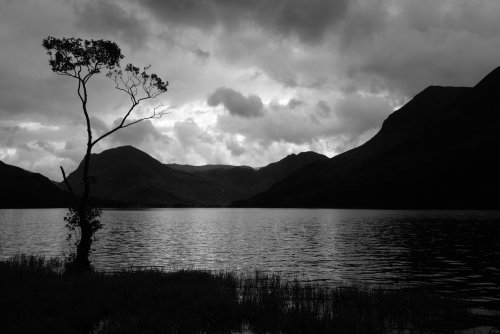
(250, 81)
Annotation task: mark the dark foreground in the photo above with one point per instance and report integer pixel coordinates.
(37, 297)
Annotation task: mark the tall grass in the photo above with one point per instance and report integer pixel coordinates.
(37, 296)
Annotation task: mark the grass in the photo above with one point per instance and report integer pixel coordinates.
(36, 296)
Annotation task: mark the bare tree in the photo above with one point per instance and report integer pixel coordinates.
(81, 60)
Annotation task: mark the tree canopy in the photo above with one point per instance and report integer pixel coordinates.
(71, 56)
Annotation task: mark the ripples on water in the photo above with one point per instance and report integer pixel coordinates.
(452, 251)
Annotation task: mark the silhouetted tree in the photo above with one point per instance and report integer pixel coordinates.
(81, 60)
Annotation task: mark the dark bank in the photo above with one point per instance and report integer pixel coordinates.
(38, 296)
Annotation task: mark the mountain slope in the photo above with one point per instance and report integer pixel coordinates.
(23, 189)
(128, 175)
(438, 151)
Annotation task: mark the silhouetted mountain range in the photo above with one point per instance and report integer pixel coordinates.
(125, 176)
(23, 189)
(440, 150)
(132, 177)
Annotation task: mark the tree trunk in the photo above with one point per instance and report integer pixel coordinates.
(82, 261)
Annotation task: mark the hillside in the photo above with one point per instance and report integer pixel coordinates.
(24, 189)
(126, 174)
(440, 150)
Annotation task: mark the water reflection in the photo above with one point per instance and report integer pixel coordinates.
(32, 231)
(455, 252)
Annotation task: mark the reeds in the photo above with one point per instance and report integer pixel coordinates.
(37, 296)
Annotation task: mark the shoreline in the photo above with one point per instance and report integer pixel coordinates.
(38, 295)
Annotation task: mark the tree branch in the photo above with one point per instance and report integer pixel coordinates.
(155, 115)
(73, 197)
(122, 125)
(66, 74)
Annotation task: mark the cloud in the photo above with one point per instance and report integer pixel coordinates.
(200, 54)
(288, 62)
(294, 103)
(403, 46)
(235, 147)
(99, 127)
(394, 46)
(108, 17)
(196, 144)
(32, 157)
(236, 103)
(139, 134)
(37, 147)
(187, 132)
(346, 122)
(27, 88)
(358, 115)
(307, 20)
(324, 107)
(332, 68)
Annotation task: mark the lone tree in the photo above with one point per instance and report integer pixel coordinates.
(81, 60)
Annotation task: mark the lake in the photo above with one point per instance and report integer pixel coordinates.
(454, 252)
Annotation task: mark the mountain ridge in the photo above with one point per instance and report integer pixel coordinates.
(126, 174)
(437, 151)
(25, 189)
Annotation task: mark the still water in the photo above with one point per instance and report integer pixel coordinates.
(456, 252)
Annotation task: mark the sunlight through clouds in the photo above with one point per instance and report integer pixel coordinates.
(250, 81)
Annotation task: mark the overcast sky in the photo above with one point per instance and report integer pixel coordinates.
(250, 80)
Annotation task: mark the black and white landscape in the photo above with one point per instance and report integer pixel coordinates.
(437, 151)
(249, 166)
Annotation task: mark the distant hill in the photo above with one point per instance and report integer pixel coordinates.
(23, 189)
(203, 168)
(128, 175)
(440, 150)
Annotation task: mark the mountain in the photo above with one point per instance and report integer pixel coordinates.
(132, 177)
(243, 181)
(128, 175)
(23, 189)
(440, 150)
(204, 168)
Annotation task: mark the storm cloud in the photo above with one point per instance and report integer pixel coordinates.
(400, 46)
(404, 46)
(236, 103)
(250, 80)
(308, 20)
(346, 122)
(107, 17)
